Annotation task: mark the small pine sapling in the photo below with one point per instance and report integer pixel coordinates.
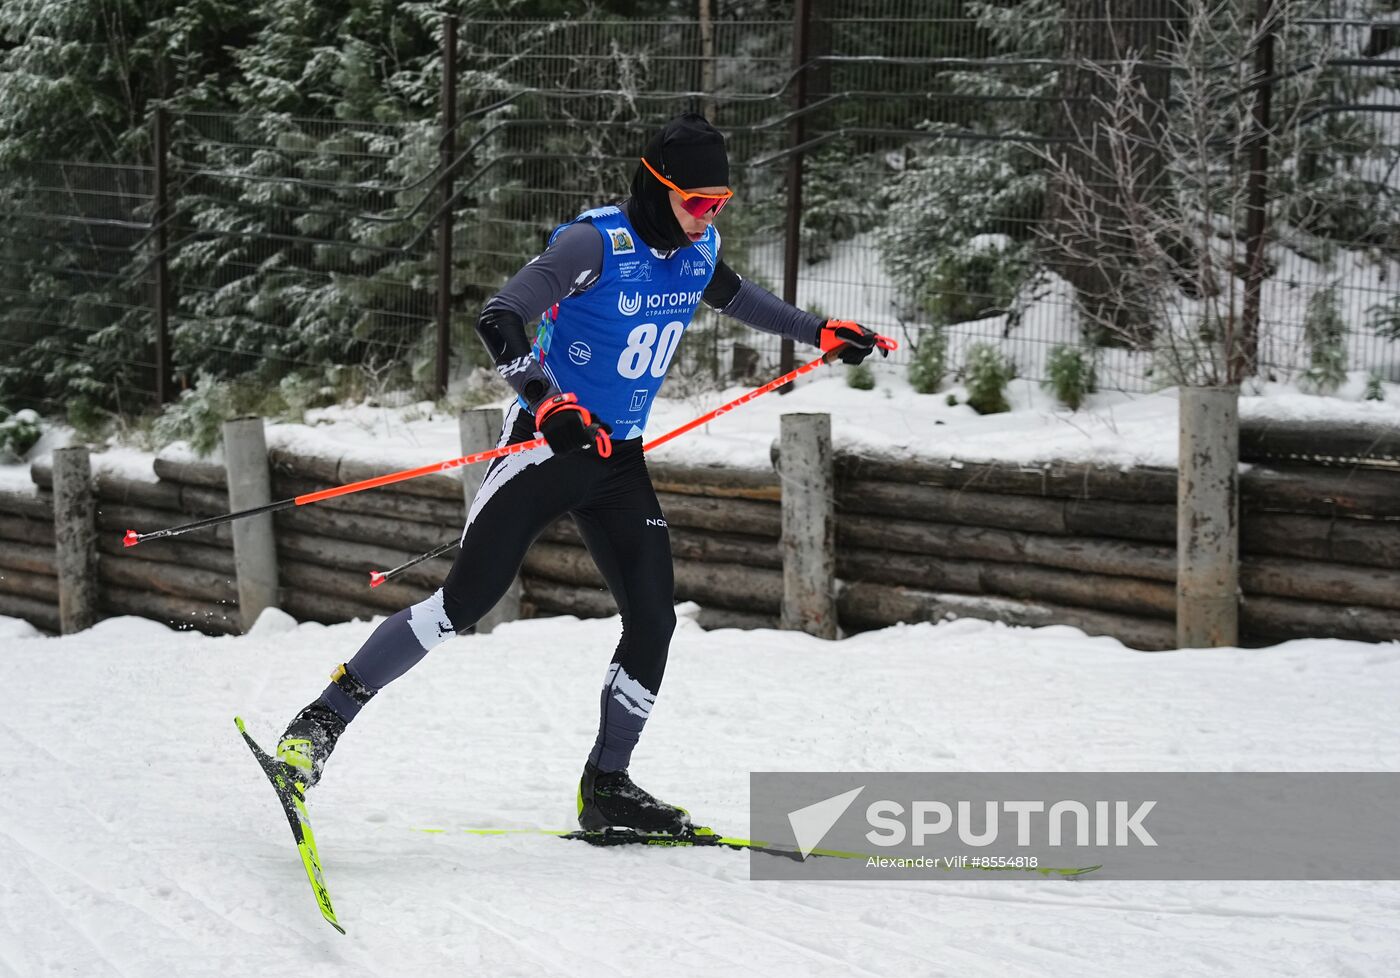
(1374, 390)
(1072, 375)
(929, 364)
(1324, 331)
(861, 377)
(987, 373)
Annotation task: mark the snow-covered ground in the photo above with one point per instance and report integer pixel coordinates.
(137, 837)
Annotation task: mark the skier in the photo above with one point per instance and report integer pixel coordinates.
(614, 290)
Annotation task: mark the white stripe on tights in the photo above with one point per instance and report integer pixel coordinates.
(507, 469)
(633, 695)
(429, 622)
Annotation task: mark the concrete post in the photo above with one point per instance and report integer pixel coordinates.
(254, 542)
(481, 429)
(809, 524)
(75, 539)
(1207, 521)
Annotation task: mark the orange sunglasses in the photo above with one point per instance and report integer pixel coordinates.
(696, 205)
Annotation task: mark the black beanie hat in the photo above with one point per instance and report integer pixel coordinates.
(689, 152)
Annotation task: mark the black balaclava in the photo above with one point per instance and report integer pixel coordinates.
(689, 152)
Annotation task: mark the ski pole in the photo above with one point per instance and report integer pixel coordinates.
(884, 342)
(132, 538)
(377, 578)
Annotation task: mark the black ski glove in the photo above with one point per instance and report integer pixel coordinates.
(852, 341)
(568, 426)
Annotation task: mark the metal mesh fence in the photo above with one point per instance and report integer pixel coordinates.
(926, 192)
(72, 300)
(927, 207)
(303, 236)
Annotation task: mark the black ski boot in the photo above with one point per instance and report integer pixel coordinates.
(307, 742)
(610, 800)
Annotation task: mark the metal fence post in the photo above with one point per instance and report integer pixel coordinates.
(1244, 352)
(254, 541)
(448, 150)
(809, 524)
(480, 429)
(797, 132)
(75, 539)
(165, 385)
(1207, 519)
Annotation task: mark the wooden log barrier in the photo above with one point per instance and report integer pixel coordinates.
(27, 505)
(868, 606)
(28, 558)
(19, 529)
(1025, 581)
(1321, 582)
(116, 487)
(178, 612)
(542, 597)
(43, 615)
(178, 551)
(1153, 522)
(447, 513)
(726, 515)
(716, 482)
(25, 584)
(328, 609)
(1369, 543)
(1353, 440)
(175, 580)
(361, 558)
(1321, 491)
(191, 472)
(1274, 487)
(700, 545)
(118, 518)
(732, 586)
(349, 586)
(1065, 480)
(1114, 557)
(1270, 619)
(357, 527)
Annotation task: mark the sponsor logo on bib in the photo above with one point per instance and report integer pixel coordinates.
(629, 306)
(580, 353)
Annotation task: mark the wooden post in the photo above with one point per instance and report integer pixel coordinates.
(809, 524)
(75, 539)
(254, 545)
(1207, 535)
(481, 429)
